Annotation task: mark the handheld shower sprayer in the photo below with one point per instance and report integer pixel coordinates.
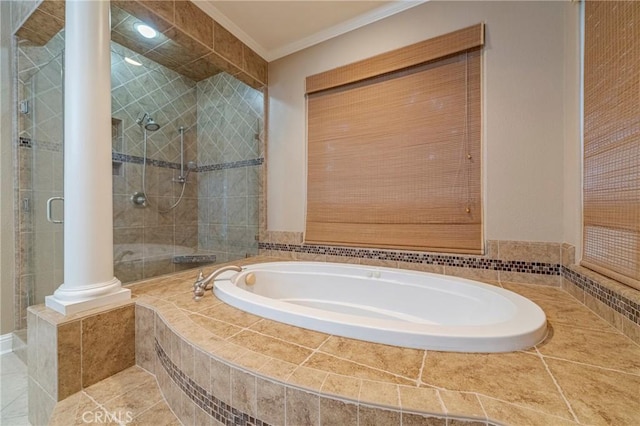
(191, 166)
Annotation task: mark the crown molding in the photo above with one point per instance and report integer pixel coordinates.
(329, 33)
(221, 18)
(344, 27)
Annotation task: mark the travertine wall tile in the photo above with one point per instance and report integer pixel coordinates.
(100, 361)
(270, 402)
(68, 351)
(521, 277)
(47, 357)
(472, 273)
(41, 404)
(142, 12)
(227, 45)
(164, 8)
(337, 412)
(568, 254)
(145, 336)
(194, 21)
(573, 290)
(377, 417)
(32, 351)
(302, 408)
(243, 392)
(410, 419)
(631, 330)
(221, 380)
(530, 251)
(254, 65)
(604, 311)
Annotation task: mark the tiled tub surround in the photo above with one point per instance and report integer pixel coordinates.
(585, 372)
(505, 261)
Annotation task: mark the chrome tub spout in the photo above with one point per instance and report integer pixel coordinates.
(201, 284)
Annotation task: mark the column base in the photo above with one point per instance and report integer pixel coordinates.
(66, 307)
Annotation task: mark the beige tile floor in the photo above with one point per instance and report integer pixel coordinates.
(13, 391)
(131, 397)
(585, 372)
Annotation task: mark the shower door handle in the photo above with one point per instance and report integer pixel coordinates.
(49, 203)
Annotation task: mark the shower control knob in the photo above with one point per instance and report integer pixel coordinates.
(139, 199)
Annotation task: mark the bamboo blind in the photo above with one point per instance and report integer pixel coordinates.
(394, 160)
(612, 140)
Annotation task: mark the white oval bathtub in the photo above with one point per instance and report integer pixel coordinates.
(391, 306)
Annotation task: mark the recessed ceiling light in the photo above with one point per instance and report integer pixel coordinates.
(132, 62)
(145, 30)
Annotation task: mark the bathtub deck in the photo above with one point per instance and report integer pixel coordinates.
(585, 372)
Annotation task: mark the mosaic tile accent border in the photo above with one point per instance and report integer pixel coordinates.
(194, 258)
(615, 301)
(33, 143)
(211, 405)
(232, 165)
(126, 158)
(421, 257)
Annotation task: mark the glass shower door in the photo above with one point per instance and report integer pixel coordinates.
(42, 165)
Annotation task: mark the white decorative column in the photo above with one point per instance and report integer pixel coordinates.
(88, 207)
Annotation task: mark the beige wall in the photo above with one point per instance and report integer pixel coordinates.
(6, 173)
(524, 110)
(572, 137)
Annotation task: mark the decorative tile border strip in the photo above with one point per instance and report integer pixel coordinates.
(471, 262)
(126, 158)
(615, 301)
(232, 165)
(194, 258)
(211, 405)
(44, 145)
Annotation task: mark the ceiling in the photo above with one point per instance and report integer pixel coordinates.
(274, 29)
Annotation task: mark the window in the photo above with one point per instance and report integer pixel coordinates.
(612, 140)
(394, 148)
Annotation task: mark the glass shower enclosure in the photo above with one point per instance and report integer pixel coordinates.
(215, 124)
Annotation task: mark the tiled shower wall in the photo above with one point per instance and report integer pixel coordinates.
(230, 155)
(146, 239)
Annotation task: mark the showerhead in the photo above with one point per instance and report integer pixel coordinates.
(151, 125)
(147, 122)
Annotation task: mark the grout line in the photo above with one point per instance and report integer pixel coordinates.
(588, 365)
(424, 359)
(525, 407)
(316, 350)
(486, 417)
(445, 411)
(566, 401)
(370, 368)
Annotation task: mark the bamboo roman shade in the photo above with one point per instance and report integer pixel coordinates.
(394, 149)
(612, 140)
